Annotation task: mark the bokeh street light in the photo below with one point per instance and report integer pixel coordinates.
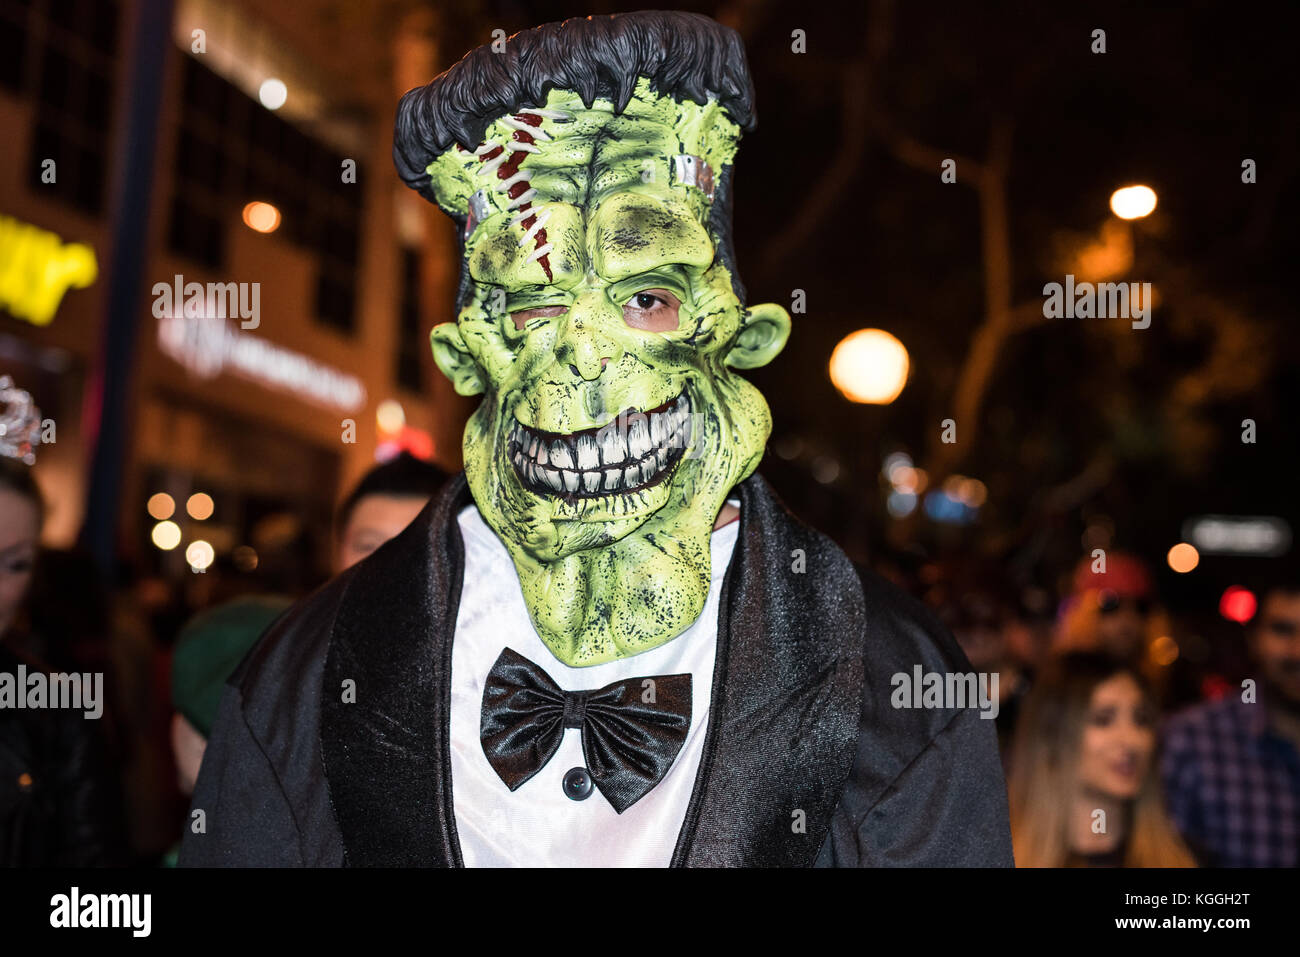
(1183, 557)
(166, 535)
(199, 506)
(199, 554)
(261, 217)
(869, 366)
(1133, 202)
(390, 416)
(273, 93)
(161, 505)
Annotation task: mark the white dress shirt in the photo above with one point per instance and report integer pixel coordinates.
(538, 825)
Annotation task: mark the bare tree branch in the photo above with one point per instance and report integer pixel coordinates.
(999, 320)
(988, 177)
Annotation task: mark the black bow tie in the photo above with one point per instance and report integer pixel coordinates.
(629, 743)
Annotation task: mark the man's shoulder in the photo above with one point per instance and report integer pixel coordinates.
(283, 669)
(902, 632)
(898, 631)
(909, 699)
(925, 787)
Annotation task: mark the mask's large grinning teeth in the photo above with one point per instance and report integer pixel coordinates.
(634, 451)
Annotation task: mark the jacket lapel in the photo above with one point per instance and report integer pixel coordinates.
(384, 747)
(787, 695)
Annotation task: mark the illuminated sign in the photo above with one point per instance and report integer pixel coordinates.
(37, 268)
(208, 346)
(1238, 534)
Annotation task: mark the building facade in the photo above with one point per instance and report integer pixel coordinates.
(261, 359)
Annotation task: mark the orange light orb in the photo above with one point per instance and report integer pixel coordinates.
(869, 366)
(1133, 202)
(261, 217)
(1183, 558)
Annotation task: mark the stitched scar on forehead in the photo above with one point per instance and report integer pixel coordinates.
(541, 171)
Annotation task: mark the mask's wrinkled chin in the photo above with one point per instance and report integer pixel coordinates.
(612, 572)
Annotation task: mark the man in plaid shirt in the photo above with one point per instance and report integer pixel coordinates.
(1232, 767)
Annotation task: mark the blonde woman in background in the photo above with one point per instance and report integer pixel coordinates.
(1083, 787)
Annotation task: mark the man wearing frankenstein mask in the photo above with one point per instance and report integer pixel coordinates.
(607, 643)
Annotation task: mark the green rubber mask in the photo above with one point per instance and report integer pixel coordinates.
(603, 331)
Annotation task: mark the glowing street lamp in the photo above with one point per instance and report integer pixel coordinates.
(261, 217)
(199, 505)
(869, 366)
(199, 555)
(390, 417)
(166, 535)
(273, 93)
(161, 505)
(1183, 557)
(1133, 202)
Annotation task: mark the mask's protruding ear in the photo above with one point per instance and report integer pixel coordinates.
(762, 335)
(454, 359)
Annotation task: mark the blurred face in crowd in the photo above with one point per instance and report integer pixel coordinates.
(374, 520)
(1276, 646)
(19, 532)
(1118, 739)
(1121, 624)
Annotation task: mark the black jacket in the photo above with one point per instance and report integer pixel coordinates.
(805, 760)
(58, 801)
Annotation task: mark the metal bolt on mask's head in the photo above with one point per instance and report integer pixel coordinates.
(588, 167)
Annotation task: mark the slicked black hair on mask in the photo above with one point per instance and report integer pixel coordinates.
(684, 55)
